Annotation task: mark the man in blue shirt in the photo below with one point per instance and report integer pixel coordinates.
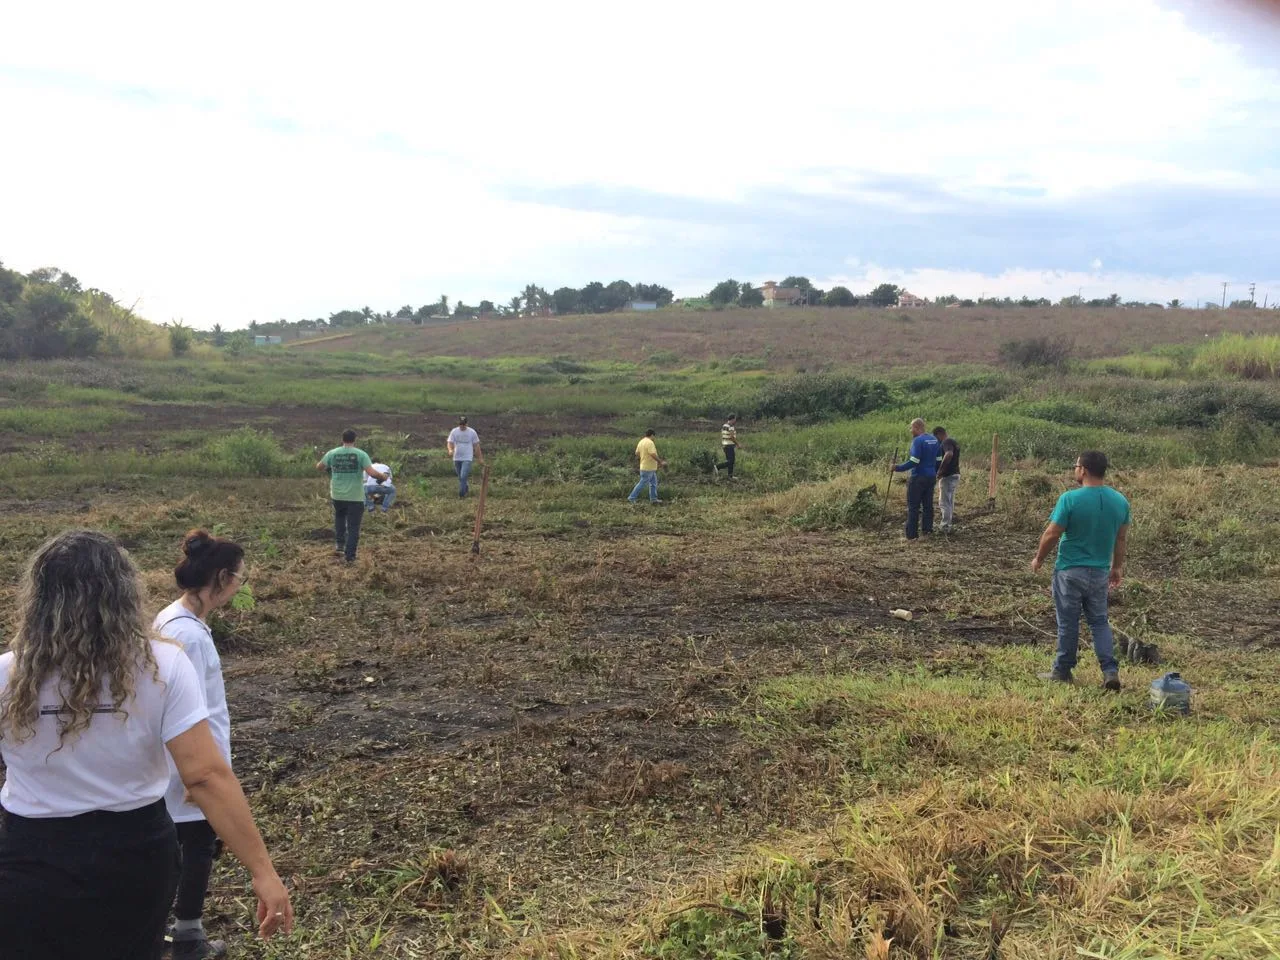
(1090, 525)
(922, 460)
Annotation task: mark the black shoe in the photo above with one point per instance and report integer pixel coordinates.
(197, 949)
(1111, 681)
(1056, 676)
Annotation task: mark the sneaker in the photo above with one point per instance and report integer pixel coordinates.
(656, 502)
(197, 949)
(1055, 676)
(1111, 681)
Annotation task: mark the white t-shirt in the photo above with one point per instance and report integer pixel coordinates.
(178, 623)
(381, 468)
(464, 440)
(119, 762)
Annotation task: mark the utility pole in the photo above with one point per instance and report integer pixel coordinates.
(1252, 287)
(1225, 284)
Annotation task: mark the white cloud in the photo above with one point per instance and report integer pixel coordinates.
(289, 159)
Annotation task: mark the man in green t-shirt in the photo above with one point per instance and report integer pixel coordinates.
(347, 466)
(1091, 527)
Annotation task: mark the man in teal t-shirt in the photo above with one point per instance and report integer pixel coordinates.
(1091, 526)
(347, 466)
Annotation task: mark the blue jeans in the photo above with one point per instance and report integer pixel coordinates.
(385, 490)
(648, 478)
(347, 515)
(919, 500)
(1079, 590)
(463, 469)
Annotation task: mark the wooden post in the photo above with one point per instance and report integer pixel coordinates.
(484, 489)
(995, 460)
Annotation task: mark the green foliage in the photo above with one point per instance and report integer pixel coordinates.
(821, 395)
(247, 452)
(243, 601)
(750, 296)
(1252, 358)
(839, 297)
(1036, 352)
(180, 339)
(885, 295)
(732, 932)
(724, 293)
(863, 510)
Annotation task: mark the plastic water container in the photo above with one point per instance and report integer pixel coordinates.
(1171, 692)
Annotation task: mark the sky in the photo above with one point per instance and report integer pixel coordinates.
(288, 160)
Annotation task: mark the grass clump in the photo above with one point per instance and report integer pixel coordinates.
(1037, 352)
(247, 452)
(1236, 355)
(821, 396)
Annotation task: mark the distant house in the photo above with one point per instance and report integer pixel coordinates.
(642, 305)
(908, 299)
(261, 341)
(776, 296)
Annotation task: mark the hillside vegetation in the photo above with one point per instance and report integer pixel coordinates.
(807, 337)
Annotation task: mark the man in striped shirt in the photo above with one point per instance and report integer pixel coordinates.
(729, 444)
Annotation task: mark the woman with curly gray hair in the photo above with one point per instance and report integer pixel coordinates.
(89, 702)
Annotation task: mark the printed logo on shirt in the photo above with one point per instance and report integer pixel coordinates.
(345, 463)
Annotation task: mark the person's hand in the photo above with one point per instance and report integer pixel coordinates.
(1115, 577)
(1036, 564)
(275, 912)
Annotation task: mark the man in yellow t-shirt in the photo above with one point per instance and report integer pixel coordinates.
(647, 451)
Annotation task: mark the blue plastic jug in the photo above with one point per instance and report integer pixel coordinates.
(1171, 692)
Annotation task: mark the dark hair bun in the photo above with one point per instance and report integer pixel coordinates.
(196, 542)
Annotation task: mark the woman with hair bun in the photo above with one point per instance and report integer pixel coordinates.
(90, 702)
(210, 573)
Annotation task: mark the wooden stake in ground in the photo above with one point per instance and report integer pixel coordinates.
(889, 486)
(995, 459)
(484, 489)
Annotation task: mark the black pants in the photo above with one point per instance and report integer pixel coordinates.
(97, 885)
(199, 846)
(920, 500)
(730, 454)
(347, 517)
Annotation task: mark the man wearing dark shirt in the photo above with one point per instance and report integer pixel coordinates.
(922, 460)
(948, 476)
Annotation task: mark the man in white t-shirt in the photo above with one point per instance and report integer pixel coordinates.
(464, 447)
(375, 492)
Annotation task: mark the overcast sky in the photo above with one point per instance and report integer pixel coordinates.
(257, 161)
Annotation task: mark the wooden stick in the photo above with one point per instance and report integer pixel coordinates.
(484, 490)
(995, 459)
(889, 486)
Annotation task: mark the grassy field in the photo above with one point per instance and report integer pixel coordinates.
(695, 731)
(810, 337)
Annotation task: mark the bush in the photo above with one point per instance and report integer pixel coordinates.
(1037, 352)
(864, 510)
(819, 396)
(1253, 358)
(247, 452)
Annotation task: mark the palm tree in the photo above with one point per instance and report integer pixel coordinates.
(219, 338)
(366, 313)
(514, 306)
(1175, 303)
(444, 305)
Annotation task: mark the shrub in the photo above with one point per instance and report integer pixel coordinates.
(248, 452)
(1037, 352)
(820, 395)
(864, 510)
(180, 339)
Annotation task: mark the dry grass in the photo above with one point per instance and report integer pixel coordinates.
(812, 337)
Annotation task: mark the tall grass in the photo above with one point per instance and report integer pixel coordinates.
(1253, 358)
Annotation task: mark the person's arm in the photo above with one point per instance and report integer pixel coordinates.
(1047, 539)
(479, 454)
(913, 458)
(380, 477)
(216, 791)
(323, 463)
(947, 458)
(1117, 557)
